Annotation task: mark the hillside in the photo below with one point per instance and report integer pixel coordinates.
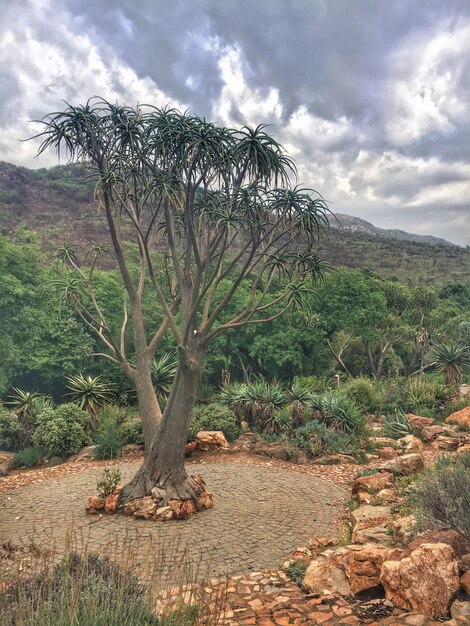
(58, 204)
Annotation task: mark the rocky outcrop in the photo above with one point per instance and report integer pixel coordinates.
(84, 454)
(445, 443)
(372, 484)
(417, 422)
(465, 582)
(404, 465)
(207, 440)
(363, 565)
(461, 418)
(429, 433)
(450, 537)
(326, 576)
(404, 530)
(371, 524)
(410, 445)
(425, 582)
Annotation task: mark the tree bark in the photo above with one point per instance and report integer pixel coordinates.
(163, 466)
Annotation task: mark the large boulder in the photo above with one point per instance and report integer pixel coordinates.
(272, 449)
(7, 462)
(425, 582)
(84, 454)
(404, 465)
(451, 537)
(460, 611)
(429, 433)
(210, 440)
(465, 582)
(373, 483)
(326, 576)
(371, 524)
(417, 422)
(363, 565)
(448, 444)
(410, 445)
(461, 418)
(404, 530)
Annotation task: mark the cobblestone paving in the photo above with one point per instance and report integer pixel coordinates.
(261, 513)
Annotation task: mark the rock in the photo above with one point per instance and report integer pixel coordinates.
(205, 500)
(404, 465)
(383, 442)
(410, 445)
(325, 576)
(409, 619)
(417, 422)
(141, 508)
(404, 529)
(464, 563)
(460, 609)
(7, 462)
(462, 418)
(429, 433)
(182, 509)
(210, 440)
(385, 496)
(272, 449)
(84, 454)
(371, 524)
(363, 564)
(450, 537)
(158, 495)
(334, 459)
(425, 582)
(386, 453)
(132, 449)
(244, 442)
(465, 449)
(373, 483)
(164, 514)
(111, 503)
(95, 504)
(465, 582)
(449, 444)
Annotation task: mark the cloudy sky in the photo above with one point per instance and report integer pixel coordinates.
(370, 97)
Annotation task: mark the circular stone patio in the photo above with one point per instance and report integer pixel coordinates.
(260, 515)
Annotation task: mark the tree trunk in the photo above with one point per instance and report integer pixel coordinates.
(149, 407)
(163, 466)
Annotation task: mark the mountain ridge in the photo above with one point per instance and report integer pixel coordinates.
(58, 204)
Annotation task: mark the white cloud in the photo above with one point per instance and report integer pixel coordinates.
(423, 93)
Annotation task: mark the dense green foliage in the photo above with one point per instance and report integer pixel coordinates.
(215, 416)
(62, 431)
(356, 322)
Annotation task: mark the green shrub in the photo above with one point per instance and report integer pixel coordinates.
(62, 431)
(296, 572)
(132, 432)
(110, 479)
(340, 412)
(108, 440)
(10, 431)
(365, 394)
(316, 438)
(215, 416)
(28, 457)
(441, 495)
(80, 590)
(396, 425)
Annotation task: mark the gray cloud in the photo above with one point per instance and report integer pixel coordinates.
(370, 97)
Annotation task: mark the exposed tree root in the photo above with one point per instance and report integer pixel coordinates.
(172, 485)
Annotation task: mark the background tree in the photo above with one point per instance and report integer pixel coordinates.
(203, 204)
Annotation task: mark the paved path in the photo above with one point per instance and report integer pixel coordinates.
(261, 514)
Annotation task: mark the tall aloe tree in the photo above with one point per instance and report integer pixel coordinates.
(204, 204)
